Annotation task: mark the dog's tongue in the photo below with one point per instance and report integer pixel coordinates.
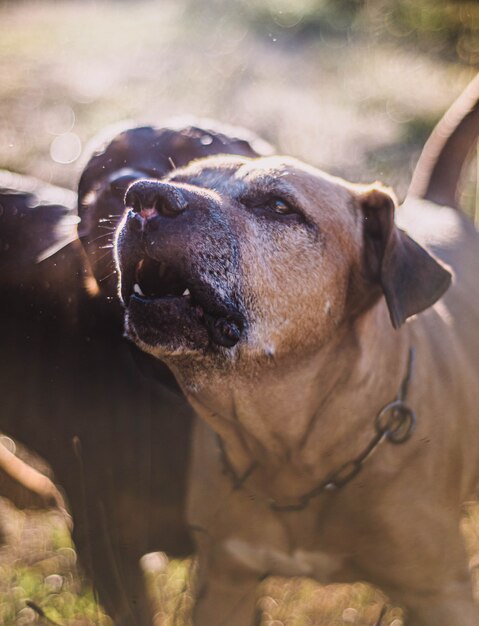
(223, 331)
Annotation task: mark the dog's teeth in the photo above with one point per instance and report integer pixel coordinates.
(137, 289)
(186, 292)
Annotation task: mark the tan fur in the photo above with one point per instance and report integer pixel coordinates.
(298, 397)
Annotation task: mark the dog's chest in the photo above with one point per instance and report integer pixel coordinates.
(264, 559)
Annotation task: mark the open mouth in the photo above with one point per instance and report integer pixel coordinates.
(155, 279)
(167, 308)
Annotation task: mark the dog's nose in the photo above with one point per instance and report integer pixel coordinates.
(149, 198)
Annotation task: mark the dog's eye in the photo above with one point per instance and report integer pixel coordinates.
(274, 207)
(280, 207)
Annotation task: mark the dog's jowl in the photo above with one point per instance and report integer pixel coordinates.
(333, 370)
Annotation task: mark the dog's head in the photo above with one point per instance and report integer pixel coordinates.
(237, 260)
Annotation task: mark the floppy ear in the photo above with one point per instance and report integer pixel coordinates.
(410, 278)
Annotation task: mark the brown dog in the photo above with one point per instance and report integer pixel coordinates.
(278, 296)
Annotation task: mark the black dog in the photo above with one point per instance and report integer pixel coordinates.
(109, 419)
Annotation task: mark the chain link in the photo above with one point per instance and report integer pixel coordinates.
(394, 423)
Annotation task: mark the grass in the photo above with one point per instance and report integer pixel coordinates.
(38, 569)
(342, 96)
(39, 566)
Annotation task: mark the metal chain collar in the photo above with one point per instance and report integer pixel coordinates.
(394, 423)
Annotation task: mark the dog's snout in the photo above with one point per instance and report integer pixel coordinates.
(149, 198)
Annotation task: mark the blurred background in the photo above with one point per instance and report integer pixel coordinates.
(352, 86)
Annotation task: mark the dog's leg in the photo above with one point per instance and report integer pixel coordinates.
(226, 594)
(443, 611)
(431, 580)
(450, 606)
(115, 571)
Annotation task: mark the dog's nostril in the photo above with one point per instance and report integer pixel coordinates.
(168, 207)
(150, 198)
(133, 201)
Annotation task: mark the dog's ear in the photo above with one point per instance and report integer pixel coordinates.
(410, 278)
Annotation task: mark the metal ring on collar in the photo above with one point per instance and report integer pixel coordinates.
(396, 421)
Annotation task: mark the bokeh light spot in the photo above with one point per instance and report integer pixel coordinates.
(65, 148)
(350, 615)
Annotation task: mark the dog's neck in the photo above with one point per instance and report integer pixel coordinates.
(322, 408)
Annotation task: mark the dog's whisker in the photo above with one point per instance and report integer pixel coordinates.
(110, 218)
(110, 234)
(107, 276)
(102, 257)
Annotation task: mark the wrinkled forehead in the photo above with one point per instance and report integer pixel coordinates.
(243, 178)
